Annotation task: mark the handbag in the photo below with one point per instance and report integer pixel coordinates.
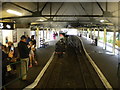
(9, 68)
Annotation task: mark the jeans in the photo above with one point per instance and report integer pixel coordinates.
(24, 67)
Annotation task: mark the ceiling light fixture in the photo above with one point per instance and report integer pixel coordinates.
(102, 20)
(41, 20)
(8, 26)
(14, 12)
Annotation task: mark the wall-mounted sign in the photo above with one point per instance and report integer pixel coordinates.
(7, 25)
(14, 36)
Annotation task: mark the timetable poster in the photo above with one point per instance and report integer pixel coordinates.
(14, 36)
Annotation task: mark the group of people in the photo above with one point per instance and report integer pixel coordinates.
(55, 34)
(8, 56)
(25, 52)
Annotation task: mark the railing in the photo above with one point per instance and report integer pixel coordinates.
(18, 72)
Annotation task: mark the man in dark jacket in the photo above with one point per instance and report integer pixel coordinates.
(24, 56)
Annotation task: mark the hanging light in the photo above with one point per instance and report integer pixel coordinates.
(102, 20)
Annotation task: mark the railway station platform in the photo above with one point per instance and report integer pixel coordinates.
(105, 60)
(40, 25)
(73, 70)
(43, 55)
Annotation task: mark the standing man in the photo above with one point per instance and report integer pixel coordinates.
(24, 56)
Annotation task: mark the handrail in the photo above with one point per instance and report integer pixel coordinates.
(20, 76)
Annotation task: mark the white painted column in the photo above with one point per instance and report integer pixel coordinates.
(37, 37)
(98, 33)
(91, 35)
(47, 34)
(88, 30)
(98, 37)
(82, 31)
(94, 32)
(43, 34)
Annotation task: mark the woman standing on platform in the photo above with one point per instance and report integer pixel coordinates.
(31, 54)
(34, 49)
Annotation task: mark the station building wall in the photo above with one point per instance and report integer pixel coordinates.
(20, 32)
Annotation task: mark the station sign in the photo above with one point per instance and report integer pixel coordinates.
(7, 25)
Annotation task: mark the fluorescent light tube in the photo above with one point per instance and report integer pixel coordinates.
(14, 12)
(102, 20)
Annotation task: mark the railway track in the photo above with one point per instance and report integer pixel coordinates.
(71, 71)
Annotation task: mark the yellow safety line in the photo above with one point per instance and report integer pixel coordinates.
(34, 84)
(100, 74)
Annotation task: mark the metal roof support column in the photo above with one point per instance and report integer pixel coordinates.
(37, 37)
(94, 33)
(88, 30)
(105, 38)
(114, 39)
(91, 35)
(43, 33)
(98, 35)
(50, 9)
(46, 33)
(82, 31)
(38, 6)
(100, 7)
(50, 34)
(21, 7)
(14, 25)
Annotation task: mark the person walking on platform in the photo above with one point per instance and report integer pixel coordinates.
(24, 56)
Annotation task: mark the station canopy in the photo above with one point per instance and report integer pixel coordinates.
(61, 14)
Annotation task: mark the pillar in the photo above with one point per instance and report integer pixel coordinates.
(37, 37)
(91, 35)
(114, 39)
(47, 33)
(43, 34)
(105, 39)
(98, 35)
(83, 31)
(88, 33)
(94, 32)
(14, 25)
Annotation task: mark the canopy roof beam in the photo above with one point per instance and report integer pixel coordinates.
(21, 7)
